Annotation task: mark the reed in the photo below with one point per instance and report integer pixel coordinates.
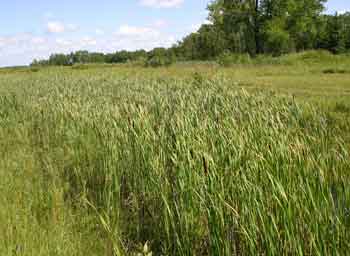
(131, 163)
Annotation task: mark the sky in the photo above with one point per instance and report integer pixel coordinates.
(32, 29)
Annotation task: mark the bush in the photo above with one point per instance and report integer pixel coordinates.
(198, 79)
(341, 107)
(159, 61)
(140, 62)
(80, 67)
(307, 57)
(316, 56)
(228, 59)
(335, 71)
(160, 57)
(269, 60)
(34, 69)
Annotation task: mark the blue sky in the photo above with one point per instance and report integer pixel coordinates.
(35, 28)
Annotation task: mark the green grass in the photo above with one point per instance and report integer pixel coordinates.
(191, 159)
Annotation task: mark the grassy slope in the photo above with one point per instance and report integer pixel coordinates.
(104, 159)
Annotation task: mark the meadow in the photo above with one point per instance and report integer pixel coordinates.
(191, 159)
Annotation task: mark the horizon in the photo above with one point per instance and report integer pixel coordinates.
(107, 26)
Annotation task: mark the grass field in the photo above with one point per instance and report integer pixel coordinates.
(194, 159)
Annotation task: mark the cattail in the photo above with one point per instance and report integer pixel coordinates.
(205, 166)
(192, 154)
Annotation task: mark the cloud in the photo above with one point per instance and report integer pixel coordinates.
(341, 12)
(38, 40)
(63, 42)
(133, 37)
(88, 41)
(160, 23)
(21, 49)
(2, 42)
(195, 27)
(56, 27)
(133, 31)
(162, 3)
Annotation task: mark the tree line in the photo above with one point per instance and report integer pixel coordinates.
(253, 27)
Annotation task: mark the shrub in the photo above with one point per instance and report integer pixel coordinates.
(269, 60)
(159, 61)
(308, 57)
(34, 69)
(80, 67)
(316, 56)
(198, 79)
(159, 57)
(228, 59)
(341, 107)
(140, 62)
(334, 71)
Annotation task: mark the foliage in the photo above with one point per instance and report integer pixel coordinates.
(159, 57)
(205, 44)
(278, 40)
(228, 59)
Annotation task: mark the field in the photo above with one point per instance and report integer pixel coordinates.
(193, 159)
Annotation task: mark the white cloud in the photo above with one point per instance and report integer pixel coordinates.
(38, 40)
(195, 27)
(132, 37)
(132, 31)
(341, 12)
(56, 27)
(21, 49)
(160, 23)
(86, 41)
(63, 42)
(162, 3)
(72, 27)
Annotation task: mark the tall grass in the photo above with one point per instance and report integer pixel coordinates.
(314, 57)
(105, 163)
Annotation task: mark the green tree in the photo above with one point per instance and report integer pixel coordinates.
(253, 26)
(207, 43)
(160, 57)
(240, 21)
(336, 42)
(278, 40)
(346, 29)
(59, 60)
(300, 19)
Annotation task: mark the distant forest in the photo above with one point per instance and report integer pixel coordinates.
(250, 27)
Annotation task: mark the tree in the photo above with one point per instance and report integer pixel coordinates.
(207, 43)
(240, 21)
(80, 57)
(336, 41)
(254, 26)
(346, 22)
(160, 57)
(60, 60)
(298, 18)
(278, 40)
